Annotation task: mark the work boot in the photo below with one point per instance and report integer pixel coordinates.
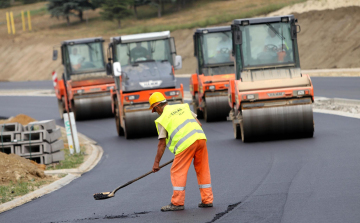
(202, 205)
(172, 207)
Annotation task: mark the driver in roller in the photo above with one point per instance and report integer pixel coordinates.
(139, 53)
(275, 45)
(223, 49)
(76, 59)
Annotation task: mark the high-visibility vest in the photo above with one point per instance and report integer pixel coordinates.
(183, 130)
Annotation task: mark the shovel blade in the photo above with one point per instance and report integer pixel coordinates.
(103, 196)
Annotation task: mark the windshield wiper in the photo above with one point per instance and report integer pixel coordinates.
(276, 32)
(164, 61)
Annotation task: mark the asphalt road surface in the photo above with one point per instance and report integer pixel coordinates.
(340, 87)
(299, 180)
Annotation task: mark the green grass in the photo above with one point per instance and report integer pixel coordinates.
(71, 161)
(214, 20)
(11, 191)
(148, 13)
(35, 12)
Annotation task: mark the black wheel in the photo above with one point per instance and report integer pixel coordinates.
(237, 131)
(73, 109)
(119, 129)
(197, 111)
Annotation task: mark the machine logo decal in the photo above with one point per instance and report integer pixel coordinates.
(150, 84)
(276, 94)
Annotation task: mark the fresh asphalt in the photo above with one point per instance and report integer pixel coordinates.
(331, 87)
(298, 180)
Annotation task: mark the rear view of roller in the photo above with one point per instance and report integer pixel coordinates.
(270, 98)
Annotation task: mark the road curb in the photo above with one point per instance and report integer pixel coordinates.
(340, 113)
(72, 174)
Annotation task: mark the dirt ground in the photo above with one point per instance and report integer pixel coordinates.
(21, 118)
(329, 38)
(15, 168)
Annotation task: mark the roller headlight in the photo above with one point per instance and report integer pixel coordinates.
(302, 92)
(250, 96)
(212, 87)
(80, 91)
(132, 97)
(172, 93)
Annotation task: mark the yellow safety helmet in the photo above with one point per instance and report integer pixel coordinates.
(155, 99)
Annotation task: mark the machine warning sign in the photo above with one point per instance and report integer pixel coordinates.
(276, 94)
(150, 84)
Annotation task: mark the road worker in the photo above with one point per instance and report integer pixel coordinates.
(180, 131)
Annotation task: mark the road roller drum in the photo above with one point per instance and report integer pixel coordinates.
(140, 124)
(292, 121)
(216, 108)
(92, 106)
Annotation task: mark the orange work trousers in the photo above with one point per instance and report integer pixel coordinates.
(180, 167)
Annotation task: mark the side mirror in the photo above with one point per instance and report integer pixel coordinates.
(178, 62)
(117, 69)
(55, 54)
(108, 69)
(238, 37)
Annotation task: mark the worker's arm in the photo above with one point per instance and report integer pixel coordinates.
(160, 152)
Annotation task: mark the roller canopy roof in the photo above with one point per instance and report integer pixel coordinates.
(80, 41)
(262, 20)
(141, 37)
(213, 29)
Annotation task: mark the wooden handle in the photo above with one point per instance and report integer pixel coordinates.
(130, 182)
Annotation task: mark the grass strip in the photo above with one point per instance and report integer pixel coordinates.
(15, 189)
(71, 161)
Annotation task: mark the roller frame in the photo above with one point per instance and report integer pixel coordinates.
(61, 106)
(199, 113)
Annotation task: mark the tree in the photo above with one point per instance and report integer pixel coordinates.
(5, 3)
(66, 8)
(116, 10)
(160, 5)
(138, 3)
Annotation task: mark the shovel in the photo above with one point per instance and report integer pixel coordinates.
(106, 195)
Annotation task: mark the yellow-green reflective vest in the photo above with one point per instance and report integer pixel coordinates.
(183, 130)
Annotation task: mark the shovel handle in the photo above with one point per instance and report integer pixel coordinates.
(130, 182)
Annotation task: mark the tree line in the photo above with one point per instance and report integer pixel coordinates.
(114, 10)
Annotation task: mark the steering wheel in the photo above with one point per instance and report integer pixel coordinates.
(141, 59)
(271, 47)
(224, 50)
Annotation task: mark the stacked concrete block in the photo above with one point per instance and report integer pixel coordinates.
(38, 141)
(10, 132)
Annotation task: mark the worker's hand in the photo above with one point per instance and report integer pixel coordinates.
(156, 167)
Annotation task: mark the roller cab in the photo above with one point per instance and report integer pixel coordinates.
(209, 85)
(142, 64)
(85, 86)
(270, 97)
